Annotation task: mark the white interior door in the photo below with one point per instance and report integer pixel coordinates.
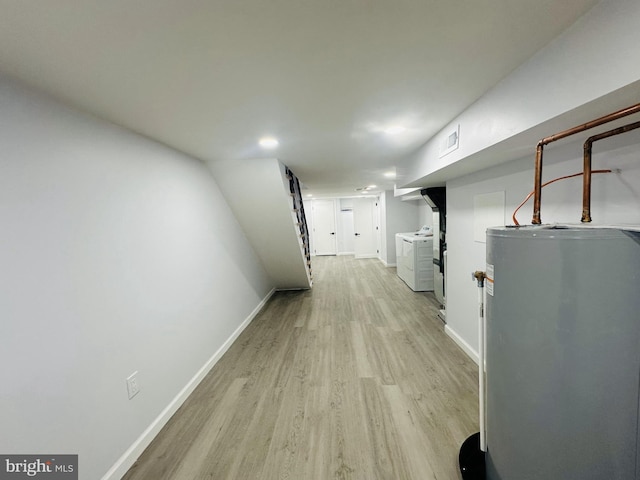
(346, 238)
(364, 227)
(324, 227)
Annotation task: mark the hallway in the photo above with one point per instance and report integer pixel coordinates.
(353, 379)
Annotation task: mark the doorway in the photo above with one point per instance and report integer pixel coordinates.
(365, 225)
(345, 226)
(324, 227)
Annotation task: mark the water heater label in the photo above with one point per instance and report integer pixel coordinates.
(490, 279)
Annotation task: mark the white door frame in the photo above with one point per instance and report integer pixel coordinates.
(364, 219)
(324, 227)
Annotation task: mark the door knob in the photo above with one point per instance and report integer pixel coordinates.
(332, 233)
(357, 234)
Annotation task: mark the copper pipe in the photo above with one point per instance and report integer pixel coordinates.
(586, 182)
(566, 133)
(538, 185)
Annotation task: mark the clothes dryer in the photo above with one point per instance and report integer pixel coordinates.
(414, 258)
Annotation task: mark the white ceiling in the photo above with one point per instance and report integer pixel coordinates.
(210, 77)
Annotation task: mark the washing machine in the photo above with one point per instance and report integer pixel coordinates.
(414, 259)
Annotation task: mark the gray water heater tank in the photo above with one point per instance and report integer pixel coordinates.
(563, 353)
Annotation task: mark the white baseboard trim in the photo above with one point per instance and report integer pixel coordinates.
(466, 348)
(128, 458)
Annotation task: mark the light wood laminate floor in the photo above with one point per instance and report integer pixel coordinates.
(353, 379)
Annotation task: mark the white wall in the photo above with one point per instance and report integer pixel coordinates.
(615, 200)
(586, 72)
(117, 254)
(345, 223)
(258, 192)
(425, 214)
(345, 231)
(382, 225)
(582, 74)
(397, 216)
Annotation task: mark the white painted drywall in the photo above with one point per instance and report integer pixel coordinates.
(399, 217)
(615, 200)
(425, 214)
(346, 238)
(588, 71)
(258, 193)
(117, 254)
(382, 225)
(395, 216)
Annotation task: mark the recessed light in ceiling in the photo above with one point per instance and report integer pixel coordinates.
(390, 174)
(269, 142)
(394, 129)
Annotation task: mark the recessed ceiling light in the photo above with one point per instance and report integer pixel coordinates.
(371, 186)
(269, 142)
(390, 174)
(394, 129)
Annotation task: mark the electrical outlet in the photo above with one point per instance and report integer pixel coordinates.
(133, 387)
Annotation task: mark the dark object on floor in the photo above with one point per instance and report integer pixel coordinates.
(471, 459)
